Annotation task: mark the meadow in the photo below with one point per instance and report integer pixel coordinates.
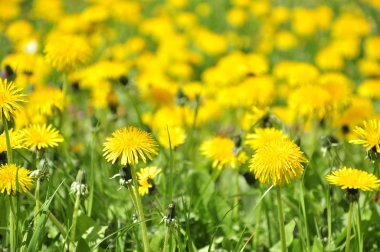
(189, 125)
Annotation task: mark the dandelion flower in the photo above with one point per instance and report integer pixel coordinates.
(131, 144)
(8, 174)
(10, 97)
(278, 161)
(46, 100)
(65, 52)
(262, 136)
(145, 178)
(15, 138)
(41, 136)
(310, 100)
(177, 137)
(350, 178)
(370, 135)
(220, 150)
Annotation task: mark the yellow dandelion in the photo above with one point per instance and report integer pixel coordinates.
(145, 178)
(262, 136)
(350, 178)
(131, 144)
(310, 100)
(10, 97)
(277, 162)
(370, 135)
(221, 151)
(15, 138)
(45, 100)
(41, 136)
(8, 174)
(65, 52)
(177, 137)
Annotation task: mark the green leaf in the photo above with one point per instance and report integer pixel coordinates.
(289, 228)
(82, 246)
(36, 239)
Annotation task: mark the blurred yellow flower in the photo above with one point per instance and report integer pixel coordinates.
(46, 100)
(65, 52)
(370, 88)
(263, 136)
(310, 100)
(220, 150)
(15, 139)
(177, 136)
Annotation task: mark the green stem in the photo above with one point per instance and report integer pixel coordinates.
(281, 220)
(159, 203)
(7, 140)
(166, 241)
(38, 205)
(329, 220)
(92, 177)
(257, 228)
(75, 216)
(135, 106)
(358, 225)
(236, 198)
(133, 195)
(348, 236)
(302, 199)
(140, 211)
(12, 224)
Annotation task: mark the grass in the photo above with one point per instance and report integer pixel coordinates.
(81, 205)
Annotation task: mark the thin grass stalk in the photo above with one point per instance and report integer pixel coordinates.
(12, 224)
(37, 190)
(257, 227)
(302, 199)
(281, 220)
(13, 217)
(166, 241)
(92, 176)
(358, 226)
(140, 211)
(348, 234)
(236, 198)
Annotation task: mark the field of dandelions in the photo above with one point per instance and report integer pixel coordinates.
(189, 125)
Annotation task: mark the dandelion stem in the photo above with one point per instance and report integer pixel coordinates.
(257, 227)
(358, 225)
(166, 241)
(7, 140)
(37, 191)
(302, 199)
(348, 236)
(92, 174)
(13, 217)
(140, 211)
(12, 224)
(281, 220)
(236, 198)
(37, 207)
(159, 203)
(75, 216)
